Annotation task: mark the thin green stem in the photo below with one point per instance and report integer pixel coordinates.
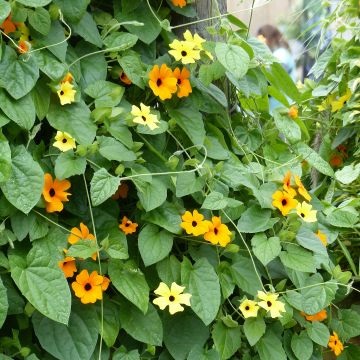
(152, 148)
(251, 16)
(99, 262)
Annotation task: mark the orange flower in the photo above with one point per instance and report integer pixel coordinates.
(320, 316)
(335, 344)
(23, 46)
(68, 265)
(287, 184)
(183, 82)
(162, 82)
(68, 78)
(284, 202)
(8, 26)
(179, 3)
(82, 233)
(88, 287)
(123, 77)
(127, 226)
(342, 148)
(322, 237)
(121, 192)
(105, 283)
(293, 112)
(301, 189)
(54, 193)
(218, 233)
(336, 160)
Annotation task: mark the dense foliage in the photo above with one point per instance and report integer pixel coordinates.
(151, 204)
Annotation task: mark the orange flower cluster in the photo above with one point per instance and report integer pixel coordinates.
(179, 3)
(214, 231)
(164, 82)
(10, 27)
(338, 157)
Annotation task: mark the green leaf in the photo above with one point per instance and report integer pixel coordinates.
(105, 93)
(120, 40)
(40, 20)
(270, 347)
(76, 341)
(73, 10)
(68, 164)
(4, 10)
(234, 58)
(190, 120)
(198, 353)
(112, 149)
(34, 3)
(344, 217)
(146, 328)
(215, 201)
(313, 158)
(102, 186)
(203, 284)
(83, 249)
(187, 183)
(152, 195)
(265, 249)
(23, 189)
(244, 275)
(254, 329)
(347, 325)
(5, 159)
(18, 77)
(133, 67)
(88, 30)
(255, 219)
(307, 239)
(41, 98)
(169, 270)
(50, 66)
(302, 346)
(37, 274)
(297, 258)
(131, 283)
(73, 119)
(21, 111)
(154, 244)
(121, 355)
(182, 333)
(287, 127)
(111, 322)
(115, 244)
(348, 174)
(318, 332)
(3, 300)
(226, 340)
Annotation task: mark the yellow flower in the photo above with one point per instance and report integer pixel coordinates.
(54, 193)
(304, 211)
(338, 104)
(162, 82)
(320, 316)
(172, 297)
(301, 189)
(287, 184)
(218, 233)
(322, 237)
(335, 344)
(64, 141)
(81, 233)
(66, 93)
(262, 38)
(144, 117)
(194, 223)
(184, 51)
(198, 41)
(293, 112)
(284, 202)
(127, 226)
(326, 104)
(68, 265)
(270, 303)
(179, 3)
(88, 287)
(249, 308)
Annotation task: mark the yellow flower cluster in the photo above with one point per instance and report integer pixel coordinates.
(269, 302)
(334, 102)
(285, 200)
(214, 231)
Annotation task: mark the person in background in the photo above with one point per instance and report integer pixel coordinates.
(274, 39)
